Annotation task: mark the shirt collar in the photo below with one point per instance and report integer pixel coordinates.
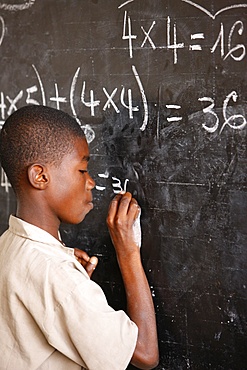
(32, 232)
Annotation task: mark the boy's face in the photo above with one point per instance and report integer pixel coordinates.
(70, 188)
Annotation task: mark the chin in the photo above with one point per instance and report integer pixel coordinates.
(82, 218)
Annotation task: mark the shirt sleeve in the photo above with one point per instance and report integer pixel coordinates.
(87, 330)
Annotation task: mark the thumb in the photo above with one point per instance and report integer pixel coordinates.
(91, 265)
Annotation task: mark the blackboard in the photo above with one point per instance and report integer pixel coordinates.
(160, 90)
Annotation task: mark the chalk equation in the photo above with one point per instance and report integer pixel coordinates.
(227, 49)
(10, 104)
(118, 99)
(117, 185)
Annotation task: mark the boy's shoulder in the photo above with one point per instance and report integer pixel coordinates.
(27, 249)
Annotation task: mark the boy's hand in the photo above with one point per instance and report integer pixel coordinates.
(123, 213)
(89, 263)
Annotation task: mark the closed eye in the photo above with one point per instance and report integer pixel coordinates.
(83, 171)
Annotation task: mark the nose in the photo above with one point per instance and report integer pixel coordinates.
(90, 182)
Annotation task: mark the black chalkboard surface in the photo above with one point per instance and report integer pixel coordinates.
(160, 90)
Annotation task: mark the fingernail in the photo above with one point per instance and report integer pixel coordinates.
(93, 260)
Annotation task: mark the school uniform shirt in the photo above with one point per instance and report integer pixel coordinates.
(52, 315)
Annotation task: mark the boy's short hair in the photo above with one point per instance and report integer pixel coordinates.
(35, 134)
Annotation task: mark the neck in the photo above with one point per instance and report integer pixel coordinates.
(38, 216)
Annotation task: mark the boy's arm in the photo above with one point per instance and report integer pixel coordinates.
(123, 211)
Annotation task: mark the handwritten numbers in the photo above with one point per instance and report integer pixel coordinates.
(209, 110)
(129, 35)
(231, 50)
(231, 121)
(233, 95)
(130, 107)
(175, 46)
(116, 184)
(238, 46)
(219, 41)
(92, 103)
(31, 90)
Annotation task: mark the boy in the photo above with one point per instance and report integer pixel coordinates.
(52, 315)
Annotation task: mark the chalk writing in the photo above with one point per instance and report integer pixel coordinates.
(2, 30)
(16, 7)
(92, 103)
(174, 118)
(110, 101)
(125, 3)
(128, 36)
(235, 121)
(4, 181)
(116, 184)
(144, 99)
(213, 16)
(58, 99)
(231, 50)
(10, 104)
(173, 44)
(40, 85)
(147, 37)
(196, 36)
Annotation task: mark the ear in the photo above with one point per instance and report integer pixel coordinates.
(38, 176)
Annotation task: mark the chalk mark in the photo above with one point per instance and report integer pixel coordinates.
(16, 7)
(40, 85)
(126, 2)
(213, 16)
(181, 183)
(144, 99)
(3, 30)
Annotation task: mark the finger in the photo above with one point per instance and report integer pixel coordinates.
(113, 208)
(81, 256)
(134, 209)
(91, 265)
(124, 204)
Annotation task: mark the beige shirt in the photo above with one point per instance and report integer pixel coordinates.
(52, 316)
